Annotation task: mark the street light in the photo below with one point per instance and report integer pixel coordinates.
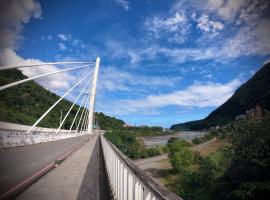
(61, 116)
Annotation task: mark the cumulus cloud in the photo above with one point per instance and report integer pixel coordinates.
(247, 41)
(52, 82)
(250, 40)
(13, 14)
(196, 95)
(209, 26)
(175, 28)
(232, 11)
(226, 9)
(123, 3)
(252, 11)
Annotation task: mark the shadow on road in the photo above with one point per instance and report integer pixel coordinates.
(95, 183)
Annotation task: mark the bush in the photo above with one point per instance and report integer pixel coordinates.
(180, 155)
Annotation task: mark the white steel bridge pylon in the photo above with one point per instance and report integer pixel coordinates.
(87, 104)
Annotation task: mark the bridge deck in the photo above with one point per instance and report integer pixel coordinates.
(82, 176)
(20, 163)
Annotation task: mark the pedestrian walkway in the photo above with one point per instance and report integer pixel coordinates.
(82, 176)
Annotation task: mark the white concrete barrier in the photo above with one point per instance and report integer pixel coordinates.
(12, 135)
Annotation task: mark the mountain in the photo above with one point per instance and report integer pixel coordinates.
(25, 103)
(256, 91)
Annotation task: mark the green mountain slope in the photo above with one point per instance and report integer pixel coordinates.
(255, 91)
(25, 103)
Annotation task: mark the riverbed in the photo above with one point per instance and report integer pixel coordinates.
(162, 140)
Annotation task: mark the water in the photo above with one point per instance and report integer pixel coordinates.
(162, 140)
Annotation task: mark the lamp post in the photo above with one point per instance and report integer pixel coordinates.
(61, 115)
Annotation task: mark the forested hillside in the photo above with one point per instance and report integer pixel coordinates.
(255, 91)
(25, 103)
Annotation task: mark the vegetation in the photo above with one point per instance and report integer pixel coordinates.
(25, 103)
(205, 138)
(108, 123)
(238, 171)
(255, 91)
(127, 142)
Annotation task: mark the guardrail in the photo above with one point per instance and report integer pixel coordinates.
(129, 182)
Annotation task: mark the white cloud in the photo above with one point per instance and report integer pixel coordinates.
(118, 50)
(247, 41)
(123, 3)
(113, 79)
(174, 28)
(233, 11)
(209, 26)
(251, 40)
(252, 11)
(227, 9)
(52, 82)
(64, 37)
(13, 14)
(179, 55)
(196, 95)
(49, 37)
(62, 47)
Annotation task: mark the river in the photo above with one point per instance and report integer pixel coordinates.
(162, 140)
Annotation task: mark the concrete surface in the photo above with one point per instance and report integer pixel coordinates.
(152, 162)
(17, 164)
(82, 176)
(13, 135)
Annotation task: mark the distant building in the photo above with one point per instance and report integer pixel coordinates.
(167, 130)
(127, 125)
(252, 114)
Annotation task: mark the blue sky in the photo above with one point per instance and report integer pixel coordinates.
(162, 62)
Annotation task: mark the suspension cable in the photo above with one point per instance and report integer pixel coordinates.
(41, 64)
(38, 76)
(77, 114)
(63, 121)
(84, 119)
(82, 114)
(74, 86)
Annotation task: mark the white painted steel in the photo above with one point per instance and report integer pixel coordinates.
(44, 115)
(82, 114)
(41, 64)
(92, 98)
(38, 76)
(124, 183)
(63, 121)
(77, 114)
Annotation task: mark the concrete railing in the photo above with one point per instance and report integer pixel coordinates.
(129, 182)
(13, 135)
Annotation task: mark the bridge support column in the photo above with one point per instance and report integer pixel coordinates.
(92, 97)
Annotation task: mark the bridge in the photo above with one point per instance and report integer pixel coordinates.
(79, 163)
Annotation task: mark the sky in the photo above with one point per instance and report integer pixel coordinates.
(162, 62)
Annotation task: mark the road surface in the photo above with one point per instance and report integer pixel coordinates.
(80, 177)
(18, 164)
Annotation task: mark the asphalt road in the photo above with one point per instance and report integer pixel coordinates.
(17, 164)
